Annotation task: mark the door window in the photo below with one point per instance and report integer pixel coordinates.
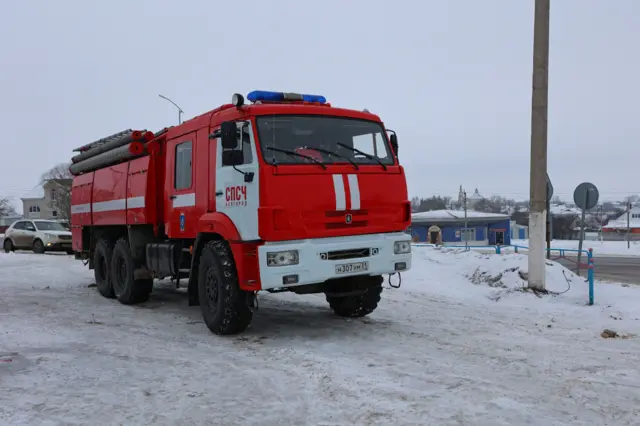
(183, 171)
(19, 225)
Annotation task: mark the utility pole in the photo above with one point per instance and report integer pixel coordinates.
(548, 231)
(466, 232)
(538, 172)
(180, 111)
(601, 220)
(629, 224)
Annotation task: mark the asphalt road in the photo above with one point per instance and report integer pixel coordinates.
(611, 268)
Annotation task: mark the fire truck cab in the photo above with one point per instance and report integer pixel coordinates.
(284, 194)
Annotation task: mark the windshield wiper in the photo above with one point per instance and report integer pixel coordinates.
(287, 151)
(369, 156)
(335, 154)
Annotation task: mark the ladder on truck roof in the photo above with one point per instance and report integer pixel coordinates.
(102, 141)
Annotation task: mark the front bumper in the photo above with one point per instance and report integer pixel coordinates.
(58, 245)
(313, 266)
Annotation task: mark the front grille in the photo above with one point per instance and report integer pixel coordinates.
(346, 254)
(64, 237)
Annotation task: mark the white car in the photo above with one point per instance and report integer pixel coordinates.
(37, 235)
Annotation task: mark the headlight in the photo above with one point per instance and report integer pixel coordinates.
(402, 247)
(283, 258)
(49, 236)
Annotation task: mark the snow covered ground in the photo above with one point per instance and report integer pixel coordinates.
(458, 343)
(618, 248)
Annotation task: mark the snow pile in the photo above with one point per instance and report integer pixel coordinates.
(462, 274)
(458, 343)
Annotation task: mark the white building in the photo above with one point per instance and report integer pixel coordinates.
(40, 203)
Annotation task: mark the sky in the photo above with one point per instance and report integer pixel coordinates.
(452, 78)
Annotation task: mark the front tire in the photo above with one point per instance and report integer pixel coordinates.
(38, 247)
(102, 268)
(127, 290)
(224, 305)
(7, 245)
(357, 306)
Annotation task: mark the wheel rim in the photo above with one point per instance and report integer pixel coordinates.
(7, 245)
(212, 289)
(38, 245)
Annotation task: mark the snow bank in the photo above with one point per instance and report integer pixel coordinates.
(618, 248)
(458, 343)
(482, 277)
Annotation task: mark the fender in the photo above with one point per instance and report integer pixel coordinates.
(211, 226)
(219, 223)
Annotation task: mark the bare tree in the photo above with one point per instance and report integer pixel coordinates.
(60, 178)
(6, 207)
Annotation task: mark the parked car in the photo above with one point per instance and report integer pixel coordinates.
(37, 235)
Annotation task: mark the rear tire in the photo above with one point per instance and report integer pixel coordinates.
(102, 268)
(127, 290)
(359, 305)
(224, 305)
(8, 245)
(38, 247)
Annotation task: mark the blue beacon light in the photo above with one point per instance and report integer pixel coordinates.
(266, 96)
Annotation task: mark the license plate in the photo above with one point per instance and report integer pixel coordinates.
(349, 268)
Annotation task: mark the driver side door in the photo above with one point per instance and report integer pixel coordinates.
(237, 187)
(28, 235)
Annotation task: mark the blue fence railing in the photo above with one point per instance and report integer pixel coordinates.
(590, 266)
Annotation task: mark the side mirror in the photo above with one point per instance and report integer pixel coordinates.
(394, 143)
(229, 135)
(233, 157)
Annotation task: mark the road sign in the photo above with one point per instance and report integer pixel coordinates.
(586, 196)
(549, 189)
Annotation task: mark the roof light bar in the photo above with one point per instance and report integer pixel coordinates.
(266, 96)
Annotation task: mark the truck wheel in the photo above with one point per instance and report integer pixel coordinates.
(8, 246)
(102, 265)
(38, 247)
(223, 304)
(359, 305)
(127, 290)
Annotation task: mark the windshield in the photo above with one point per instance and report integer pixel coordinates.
(49, 226)
(305, 139)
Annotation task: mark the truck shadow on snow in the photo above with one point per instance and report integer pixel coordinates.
(278, 315)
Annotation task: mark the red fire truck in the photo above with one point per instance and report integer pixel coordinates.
(285, 193)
